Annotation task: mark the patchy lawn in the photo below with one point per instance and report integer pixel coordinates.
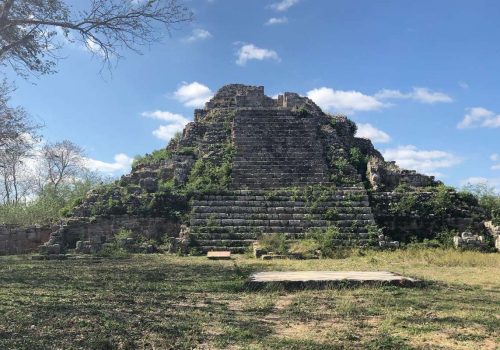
(170, 302)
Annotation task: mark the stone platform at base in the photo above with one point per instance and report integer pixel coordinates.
(322, 279)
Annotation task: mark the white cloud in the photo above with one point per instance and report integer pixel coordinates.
(283, 5)
(368, 131)
(478, 180)
(427, 162)
(165, 116)
(193, 94)
(197, 35)
(276, 20)
(249, 52)
(175, 123)
(479, 117)
(494, 157)
(419, 94)
(344, 101)
(121, 164)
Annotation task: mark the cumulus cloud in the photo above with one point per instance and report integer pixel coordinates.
(368, 131)
(427, 162)
(248, 52)
(193, 94)
(174, 123)
(276, 20)
(344, 101)
(197, 35)
(479, 117)
(419, 94)
(121, 164)
(283, 5)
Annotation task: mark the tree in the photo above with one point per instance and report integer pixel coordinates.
(64, 161)
(18, 135)
(29, 29)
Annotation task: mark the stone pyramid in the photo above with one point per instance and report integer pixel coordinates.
(250, 165)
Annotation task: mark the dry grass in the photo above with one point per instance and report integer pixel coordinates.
(169, 302)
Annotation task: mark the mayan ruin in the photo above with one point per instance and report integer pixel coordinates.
(261, 175)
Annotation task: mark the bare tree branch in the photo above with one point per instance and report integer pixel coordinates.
(29, 29)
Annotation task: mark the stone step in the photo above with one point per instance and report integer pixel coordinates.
(280, 204)
(253, 236)
(282, 196)
(270, 216)
(283, 223)
(278, 197)
(233, 250)
(224, 242)
(336, 189)
(341, 211)
(255, 232)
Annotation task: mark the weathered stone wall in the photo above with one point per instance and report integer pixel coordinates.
(422, 225)
(386, 176)
(20, 240)
(82, 229)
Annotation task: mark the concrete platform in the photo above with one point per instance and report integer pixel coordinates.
(319, 279)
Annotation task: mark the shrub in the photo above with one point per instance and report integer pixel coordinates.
(445, 237)
(325, 239)
(274, 242)
(331, 214)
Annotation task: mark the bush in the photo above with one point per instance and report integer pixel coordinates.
(274, 243)
(325, 239)
(445, 237)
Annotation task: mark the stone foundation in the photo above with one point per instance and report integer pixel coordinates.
(103, 229)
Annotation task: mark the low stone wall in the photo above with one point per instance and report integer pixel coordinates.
(103, 229)
(402, 228)
(21, 240)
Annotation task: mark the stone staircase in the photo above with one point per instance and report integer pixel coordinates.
(234, 221)
(276, 148)
(277, 151)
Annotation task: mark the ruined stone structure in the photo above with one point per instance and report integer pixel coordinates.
(249, 165)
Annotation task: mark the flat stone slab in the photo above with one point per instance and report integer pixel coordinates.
(318, 279)
(223, 255)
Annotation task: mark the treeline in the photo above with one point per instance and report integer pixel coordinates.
(37, 179)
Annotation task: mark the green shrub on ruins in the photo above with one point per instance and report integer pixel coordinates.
(274, 242)
(358, 160)
(325, 239)
(156, 157)
(445, 237)
(435, 201)
(208, 177)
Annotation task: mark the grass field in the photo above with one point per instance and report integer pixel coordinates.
(170, 302)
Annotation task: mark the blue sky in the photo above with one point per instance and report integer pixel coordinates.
(420, 78)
